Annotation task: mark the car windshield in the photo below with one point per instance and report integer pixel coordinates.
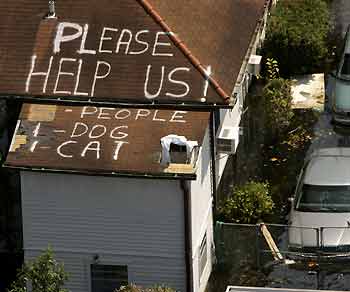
(324, 199)
(345, 69)
(342, 96)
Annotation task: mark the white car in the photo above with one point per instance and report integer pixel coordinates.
(338, 87)
(320, 214)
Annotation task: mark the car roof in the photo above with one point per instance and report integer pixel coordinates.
(328, 166)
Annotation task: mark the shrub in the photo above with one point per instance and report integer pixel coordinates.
(134, 288)
(297, 36)
(278, 105)
(272, 69)
(247, 204)
(43, 274)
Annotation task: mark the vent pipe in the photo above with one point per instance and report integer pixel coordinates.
(52, 12)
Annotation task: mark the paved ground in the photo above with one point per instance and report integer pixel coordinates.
(308, 91)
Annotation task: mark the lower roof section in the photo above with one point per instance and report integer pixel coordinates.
(104, 141)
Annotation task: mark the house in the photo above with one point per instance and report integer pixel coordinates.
(129, 114)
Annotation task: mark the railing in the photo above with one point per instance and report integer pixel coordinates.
(236, 243)
(245, 258)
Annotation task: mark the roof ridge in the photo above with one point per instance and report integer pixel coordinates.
(183, 48)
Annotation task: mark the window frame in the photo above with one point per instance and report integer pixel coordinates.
(90, 276)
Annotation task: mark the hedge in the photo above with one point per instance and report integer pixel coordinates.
(296, 36)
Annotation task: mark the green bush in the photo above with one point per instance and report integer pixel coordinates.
(278, 105)
(43, 274)
(247, 204)
(296, 36)
(134, 288)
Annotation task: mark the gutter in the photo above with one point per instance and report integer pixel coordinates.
(253, 38)
(188, 234)
(213, 161)
(132, 174)
(121, 102)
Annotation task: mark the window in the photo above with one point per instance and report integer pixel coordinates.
(217, 120)
(106, 278)
(203, 255)
(178, 153)
(316, 198)
(345, 70)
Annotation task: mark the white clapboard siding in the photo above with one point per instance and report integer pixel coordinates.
(138, 222)
(202, 219)
(229, 118)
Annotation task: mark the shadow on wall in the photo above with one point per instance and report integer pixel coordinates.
(247, 162)
(11, 252)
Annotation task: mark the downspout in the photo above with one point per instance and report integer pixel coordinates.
(213, 163)
(188, 235)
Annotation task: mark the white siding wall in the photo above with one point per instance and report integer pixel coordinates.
(202, 218)
(229, 118)
(232, 118)
(134, 222)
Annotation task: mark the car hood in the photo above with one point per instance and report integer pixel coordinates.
(331, 228)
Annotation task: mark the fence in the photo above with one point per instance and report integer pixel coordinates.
(245, 256)
(244, 243)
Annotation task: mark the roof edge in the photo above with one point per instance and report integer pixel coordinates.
(169, 176)
(184, 49)
(139, 103)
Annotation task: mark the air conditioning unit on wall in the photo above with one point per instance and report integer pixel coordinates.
(227, 140)
(254, 64)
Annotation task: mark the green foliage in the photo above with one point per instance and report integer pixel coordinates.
(44, 274)
(272, 69)
(278, 105)
(134, 288)
(247, 204)
(297, 36)
(297, 138)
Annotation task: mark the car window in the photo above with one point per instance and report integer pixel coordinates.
(343, 43)
(345, 69)
(342, 96)
(324, 199)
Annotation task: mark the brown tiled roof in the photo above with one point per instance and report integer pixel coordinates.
(217, 32)
(203, 33)
(181, 45)
(99, 140)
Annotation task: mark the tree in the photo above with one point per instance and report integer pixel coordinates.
(44, 274)
(134, 288)
(297, 36)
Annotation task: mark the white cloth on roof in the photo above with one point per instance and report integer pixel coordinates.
(178, 140)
